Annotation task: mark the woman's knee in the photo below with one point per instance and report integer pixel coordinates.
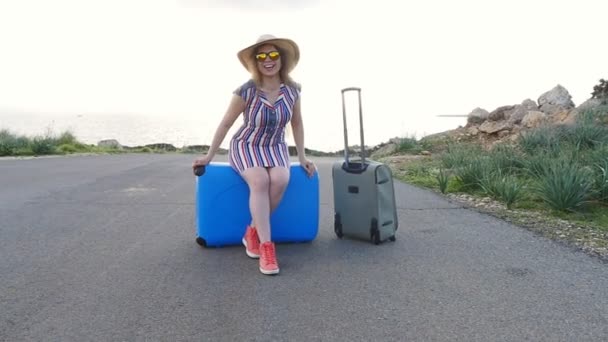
(279, 177)
(257, 179)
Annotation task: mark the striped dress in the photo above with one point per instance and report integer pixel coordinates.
(260, 141)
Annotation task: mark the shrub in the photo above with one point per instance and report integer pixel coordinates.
(564, 185)
(67, 148)
(459, 155)
(586, 132)
(488, 183)
(600, 91)
(601, 180)
(42, 146)
(11, 143)
(408, 145)
(472, 173)
(469, 164)
(505, 188)
(6, 143)
(506, 158)
(544, 138)
(443, 178)
(432, 144)
(510, 190)
(536, 165)
(67, 138)
(5, 149)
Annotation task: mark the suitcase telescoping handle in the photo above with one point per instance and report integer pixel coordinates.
(358, 90)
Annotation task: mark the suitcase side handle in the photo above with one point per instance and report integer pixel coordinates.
(199, 170)
(358, 90)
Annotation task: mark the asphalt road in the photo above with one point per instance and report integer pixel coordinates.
(102, 248)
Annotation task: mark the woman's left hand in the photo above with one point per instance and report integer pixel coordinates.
(308, 166)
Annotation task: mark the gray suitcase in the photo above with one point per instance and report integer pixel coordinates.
(364, 195)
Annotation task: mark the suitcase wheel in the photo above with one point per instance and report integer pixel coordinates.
(376, 238)
(338, 226)
(392, 238)
(201, 241)
(374, 233)
(339, 233)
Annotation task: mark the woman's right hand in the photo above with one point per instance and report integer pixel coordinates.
(203, 161)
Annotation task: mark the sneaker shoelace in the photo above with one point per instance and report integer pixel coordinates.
(268, 253)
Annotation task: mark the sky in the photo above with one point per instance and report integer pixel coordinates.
(414, 60)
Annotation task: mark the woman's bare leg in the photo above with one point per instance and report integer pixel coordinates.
(258, 180)
(279, 178)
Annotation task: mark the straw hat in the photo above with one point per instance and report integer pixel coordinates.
(287, 46)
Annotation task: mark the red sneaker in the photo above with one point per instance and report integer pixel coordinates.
(252, 242)
(268, 258)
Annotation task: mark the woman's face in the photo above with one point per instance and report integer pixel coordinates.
(268, 60)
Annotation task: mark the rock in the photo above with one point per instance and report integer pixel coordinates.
(109, 143)
(567, 117)
(490, 127)
(477, 116)
(501, 113)
(425, 153)
(555, 100)
(473, 131)
(385, 150)
(395, 140)
(534, 119)
(518, 113)
(502, 134)
(529, 104)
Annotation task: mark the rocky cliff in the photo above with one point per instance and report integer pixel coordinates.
(506, 123)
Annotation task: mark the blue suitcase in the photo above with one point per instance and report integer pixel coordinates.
(222, 207)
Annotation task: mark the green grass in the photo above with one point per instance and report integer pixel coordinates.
(558, 170)
(544, 139)
(503, 187)
(408, 145)
(443, 180)
(12, 144)
(595, 217)
(422, 173)
(564, 185)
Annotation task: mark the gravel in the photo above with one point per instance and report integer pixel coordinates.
(589, 239)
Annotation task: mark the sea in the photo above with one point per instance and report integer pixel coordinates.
(128, 129)
(185, 130)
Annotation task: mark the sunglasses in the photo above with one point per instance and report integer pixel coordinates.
(274, 55)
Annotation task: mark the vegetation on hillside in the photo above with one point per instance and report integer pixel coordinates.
(560, 169)
(600, 91)
(12, 144)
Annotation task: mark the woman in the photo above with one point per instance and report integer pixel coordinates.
(258, 152)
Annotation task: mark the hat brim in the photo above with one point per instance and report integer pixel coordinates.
(287, 46)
